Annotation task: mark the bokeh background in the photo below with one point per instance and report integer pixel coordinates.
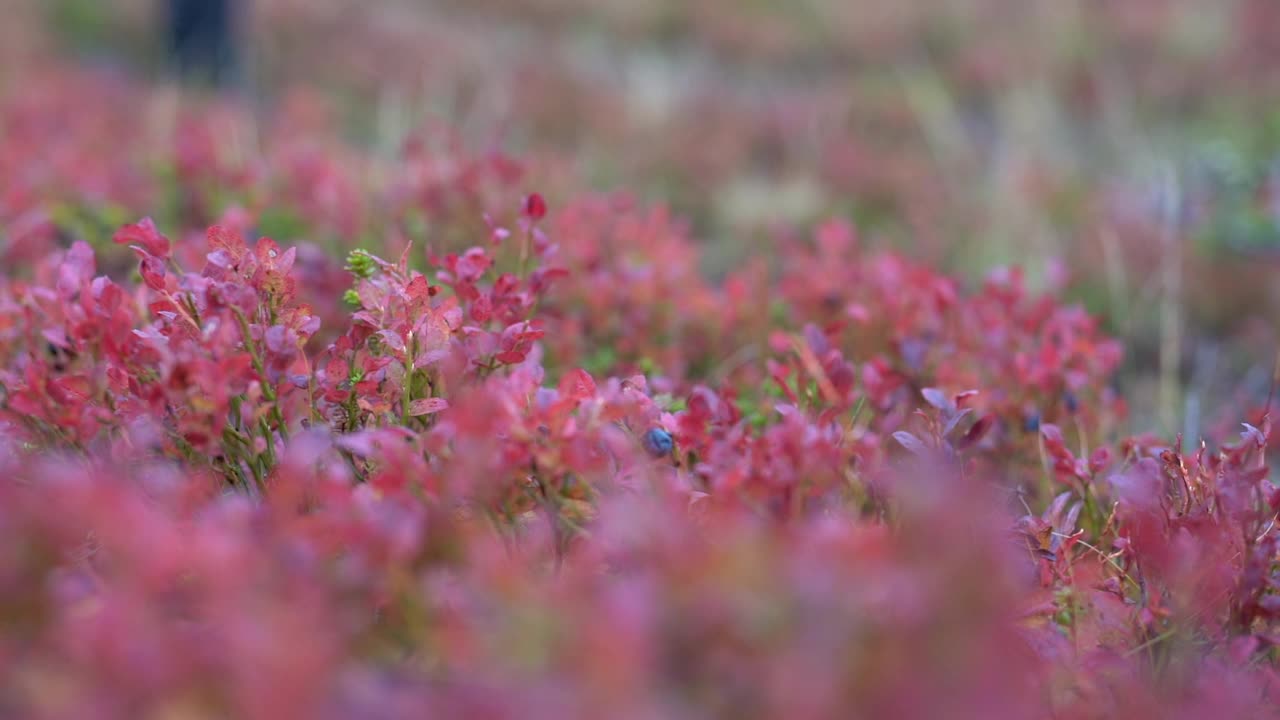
(1125, 152)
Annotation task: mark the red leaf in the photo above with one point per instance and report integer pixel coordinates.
(145, 235)
(432, 331)
(976, 432)
(222, 238)
(152, 270)
(577, 384)
(418, 288)
(71, 389)
(1099, 460)
(535, 208)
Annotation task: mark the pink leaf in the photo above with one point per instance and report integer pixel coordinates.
(392, 340)
(1052, 436)
(427, 406)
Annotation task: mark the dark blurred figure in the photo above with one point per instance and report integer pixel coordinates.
(203, 40)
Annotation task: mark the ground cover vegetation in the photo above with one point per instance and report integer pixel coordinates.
(584, 397)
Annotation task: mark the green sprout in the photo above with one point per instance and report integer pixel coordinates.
(361, 264)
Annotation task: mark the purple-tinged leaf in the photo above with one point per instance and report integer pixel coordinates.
(954, 422)
(911, 442)
(1052, 435)
(936, 398)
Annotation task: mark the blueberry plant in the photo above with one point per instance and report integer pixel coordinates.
(451, 445)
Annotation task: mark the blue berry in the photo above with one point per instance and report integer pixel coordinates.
(1070, 402)
(658, 442)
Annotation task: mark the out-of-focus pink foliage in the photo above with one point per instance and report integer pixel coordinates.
(521, 458)
(206, 510)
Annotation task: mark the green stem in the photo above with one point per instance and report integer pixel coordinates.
(268, 389)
